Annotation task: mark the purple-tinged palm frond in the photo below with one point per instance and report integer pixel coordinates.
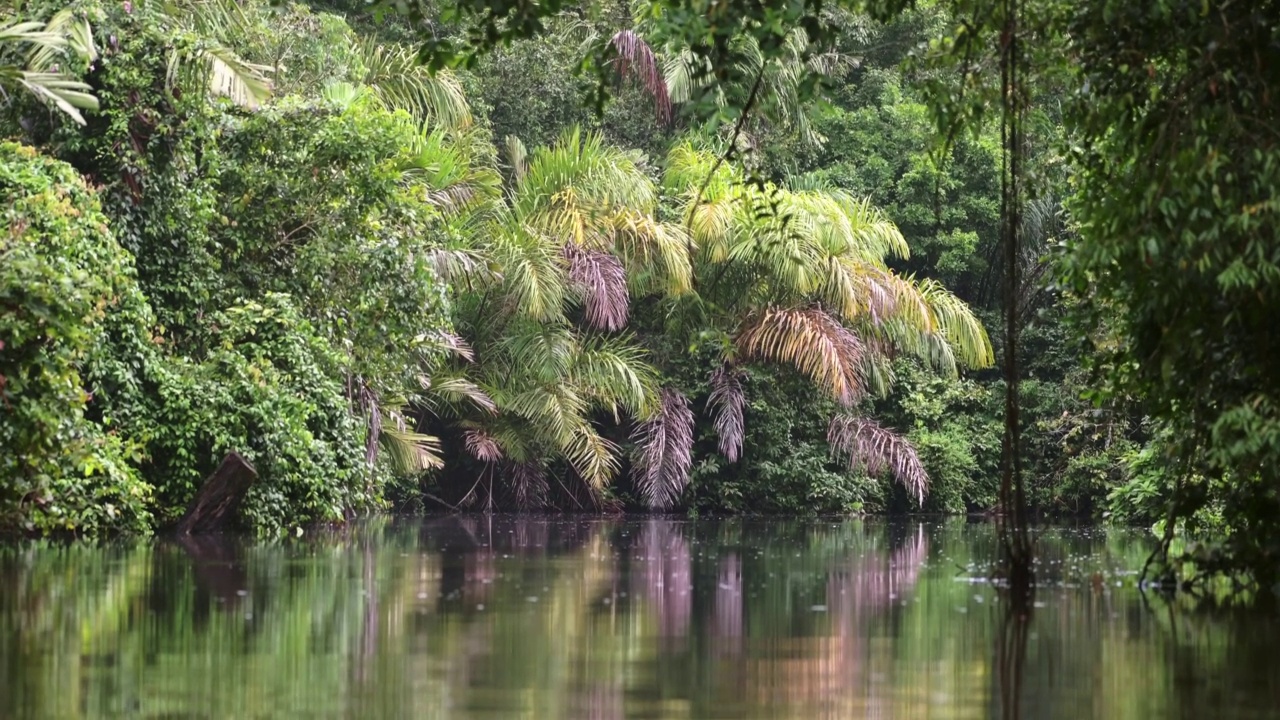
(601, 281)
(665, 451)
(811, 340)
(863, 443)
(529, 485)
(727, 401)
(636, 59)
(482, 446)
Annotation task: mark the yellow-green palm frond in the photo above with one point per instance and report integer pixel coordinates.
(400, 81)
(575, 188)
(689, 167)
(556, 411)
(656, 253)
(872, 231)
(614, 374)
(782, 249)
(410, 452)
(454, 184)
(956, 323)
(847, 227)
(811, 340)
(712, 225)
(533, 279)
(594, 458)
(864, 292)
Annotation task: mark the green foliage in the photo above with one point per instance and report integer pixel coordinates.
(786, 466)
(61, 274)
(957, 432)
(1178, 245)
(322, 211)
(268, 386)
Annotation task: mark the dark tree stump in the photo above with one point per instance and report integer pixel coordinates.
(216, 502)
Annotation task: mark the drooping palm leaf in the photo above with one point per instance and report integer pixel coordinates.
(812, 341)
(529, 485)
(665, 445)
(64, 37)
(862, 443)
(599, 279)
(637, 60)
(482, 446)
(450, 393)
(410, 452)
(209, 64)
(727, 402)
(532, 277)
(517, 157)
(593, 457)
(957, 323)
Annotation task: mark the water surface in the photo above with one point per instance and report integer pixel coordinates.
(475, 617)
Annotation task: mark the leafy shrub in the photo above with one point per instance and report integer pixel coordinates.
(957, 433)
(268, 387)
(61, 273)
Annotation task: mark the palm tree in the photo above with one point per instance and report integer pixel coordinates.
(543, 282)
(796, 276)
(44, 49)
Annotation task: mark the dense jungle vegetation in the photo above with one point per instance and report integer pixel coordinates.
(668, 254)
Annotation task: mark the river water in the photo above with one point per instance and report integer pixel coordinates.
(501, 617)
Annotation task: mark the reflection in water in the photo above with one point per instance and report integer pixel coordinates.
(493, 617)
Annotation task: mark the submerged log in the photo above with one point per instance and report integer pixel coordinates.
(216, 502)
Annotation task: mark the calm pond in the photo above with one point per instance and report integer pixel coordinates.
(477, 617)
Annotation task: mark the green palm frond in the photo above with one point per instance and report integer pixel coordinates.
(450, 393)
(454, 183)
(70, 31)
(45, 44)
(409, 452)
(956, 323)
(396, 76)
(544, 352)
(345, 95)
(614, 374)
(533, 279)
(556, 412)
(209, 64)
(69, 96)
